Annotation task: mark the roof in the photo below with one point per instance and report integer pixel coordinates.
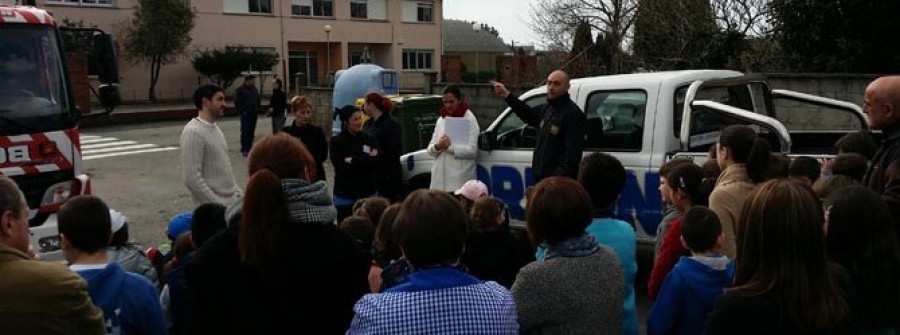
(25, 14)
(459, 36)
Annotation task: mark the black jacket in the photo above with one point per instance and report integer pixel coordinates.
(357, 179)
(278, 101)
(386, 131)
(323, 274)
(246, 99)
(314, 139)
(497, 255)
(884, 173)
(560, 141)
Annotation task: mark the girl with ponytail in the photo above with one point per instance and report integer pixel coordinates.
(284, 245)
(744, 158)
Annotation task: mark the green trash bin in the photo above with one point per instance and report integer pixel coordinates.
(417, 115)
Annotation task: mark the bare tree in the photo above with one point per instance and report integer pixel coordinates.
(747, 17)
(555, 22)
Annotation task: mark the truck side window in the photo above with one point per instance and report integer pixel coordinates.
(615, 120)
(513, 133)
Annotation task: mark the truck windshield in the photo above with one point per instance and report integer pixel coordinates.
(33, 96)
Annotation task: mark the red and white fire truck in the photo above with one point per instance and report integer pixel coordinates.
(39, 139)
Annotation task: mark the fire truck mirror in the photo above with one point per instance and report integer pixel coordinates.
(107, 59)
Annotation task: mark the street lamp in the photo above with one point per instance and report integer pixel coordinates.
(327, 52)
(477, 27)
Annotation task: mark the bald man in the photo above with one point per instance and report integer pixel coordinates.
(882, 105)
(560, 124)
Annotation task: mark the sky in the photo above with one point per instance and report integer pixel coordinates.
(509, 17)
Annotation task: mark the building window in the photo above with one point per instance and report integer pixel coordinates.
(320, 8)
(359, 9)
(423, 11)
(303, 68)
(82, 2)
(417, 59)
(248, 6)
(260, 6)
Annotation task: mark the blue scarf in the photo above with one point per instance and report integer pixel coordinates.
(580, 246)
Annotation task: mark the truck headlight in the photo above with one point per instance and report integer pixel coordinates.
(57, 193)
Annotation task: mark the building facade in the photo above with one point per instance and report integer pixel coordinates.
(314, 38)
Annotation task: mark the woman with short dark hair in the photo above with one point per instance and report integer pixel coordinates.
(783, 282)
(578, 287)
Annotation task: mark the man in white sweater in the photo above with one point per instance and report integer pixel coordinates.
(205, 167)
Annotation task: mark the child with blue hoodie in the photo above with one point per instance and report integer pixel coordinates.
(690, 289)
(129, 301)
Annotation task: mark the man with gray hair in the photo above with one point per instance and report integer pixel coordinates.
(38, 297)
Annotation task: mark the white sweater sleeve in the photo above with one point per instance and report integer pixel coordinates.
(435, 136)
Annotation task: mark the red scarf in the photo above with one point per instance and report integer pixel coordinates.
(459, 112)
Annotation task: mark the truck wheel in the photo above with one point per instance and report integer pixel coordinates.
(418, 182)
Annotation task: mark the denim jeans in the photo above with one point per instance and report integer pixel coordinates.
(248, 128)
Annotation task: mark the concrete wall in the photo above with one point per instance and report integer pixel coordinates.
(796, 116)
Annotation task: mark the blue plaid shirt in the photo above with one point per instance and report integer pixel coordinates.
(437, 301)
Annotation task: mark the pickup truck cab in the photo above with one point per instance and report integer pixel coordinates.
(645, 119)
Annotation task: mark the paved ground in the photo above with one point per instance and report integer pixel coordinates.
(137, 170)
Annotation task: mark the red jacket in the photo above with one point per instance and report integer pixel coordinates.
(669, 253)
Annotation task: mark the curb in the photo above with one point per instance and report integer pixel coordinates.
(122, 118)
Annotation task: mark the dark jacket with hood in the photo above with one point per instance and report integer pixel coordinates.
(884, 173)
(560, 141)
(687, 296)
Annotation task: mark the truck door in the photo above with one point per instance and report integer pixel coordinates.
(506, 167)
(618, 124)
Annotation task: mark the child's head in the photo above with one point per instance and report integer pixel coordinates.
(371, 208)
(179, 224)
(860, 142)
(603, 176)
(664, 170)
(824, 187)
(852, 165)
(684, 182)
(207, 220)
(385, 245)
(84, 225)
(487, 214)
(806, 169)
(701, 230)
(361, 229)
(779, 166)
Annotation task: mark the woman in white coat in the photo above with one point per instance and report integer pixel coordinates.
(454, 144)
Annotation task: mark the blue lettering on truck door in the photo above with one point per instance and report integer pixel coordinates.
(507, 183)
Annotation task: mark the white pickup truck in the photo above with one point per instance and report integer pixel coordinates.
(645, 119)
